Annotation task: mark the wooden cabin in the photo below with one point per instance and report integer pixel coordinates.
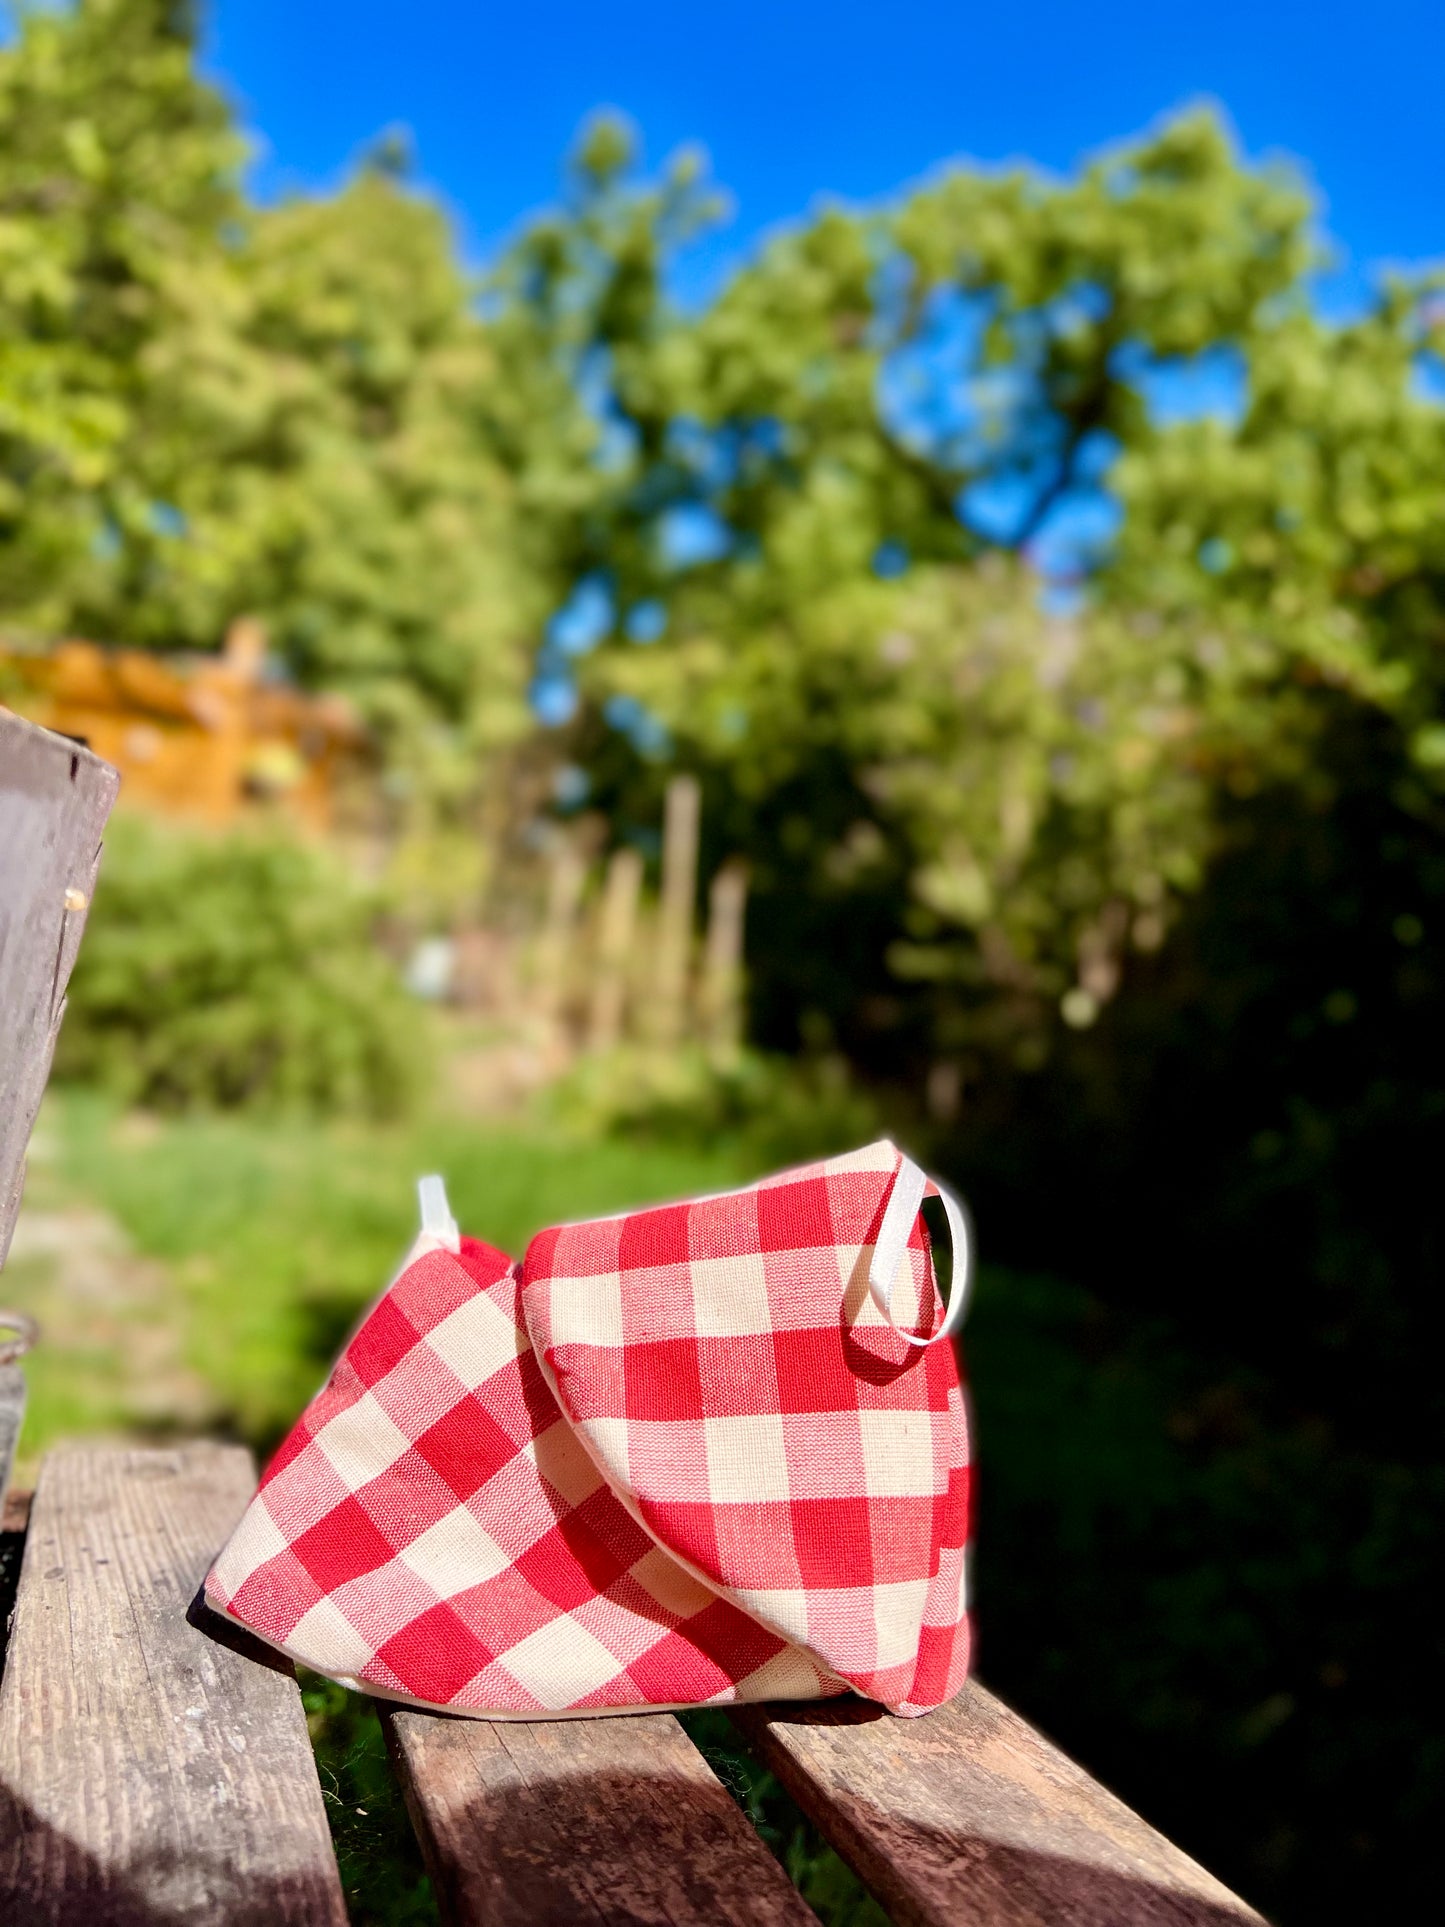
(207, 737)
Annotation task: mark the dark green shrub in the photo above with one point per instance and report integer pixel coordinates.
(237, 970)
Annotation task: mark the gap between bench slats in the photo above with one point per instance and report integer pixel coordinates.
(616, 1820)
(149, 1773)
(970, 1815)
(12, 1412)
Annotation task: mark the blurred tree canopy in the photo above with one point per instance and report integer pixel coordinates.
(807, 522)
(793, 490)
(208, 409)
(1052, 602)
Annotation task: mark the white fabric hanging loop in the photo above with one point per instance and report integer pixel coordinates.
(438, 1226)
(904, 1203)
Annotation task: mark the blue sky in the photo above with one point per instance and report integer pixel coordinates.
(794, 100)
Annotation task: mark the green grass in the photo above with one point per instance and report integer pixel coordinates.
(254, 1247)
(376, 1853)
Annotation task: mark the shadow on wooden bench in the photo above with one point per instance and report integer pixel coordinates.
(155, 1768)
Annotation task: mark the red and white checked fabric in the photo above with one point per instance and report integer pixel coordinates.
(433, 1531)
(676, 1458)
(727, 1366)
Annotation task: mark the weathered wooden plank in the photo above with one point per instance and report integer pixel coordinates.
(970, 1815)
(54, 801)
(148, 1772)
(616, 1820)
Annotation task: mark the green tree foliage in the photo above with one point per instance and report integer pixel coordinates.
(375, 530)
(207, 410)
(116, 168)
(876, 714)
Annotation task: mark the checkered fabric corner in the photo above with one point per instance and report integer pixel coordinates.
(727, 1367)
(434, 1531)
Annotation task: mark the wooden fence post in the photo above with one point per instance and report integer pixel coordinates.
(722, 976)
(54, 801)
(675, 910)
(553, 966)
(616, 931)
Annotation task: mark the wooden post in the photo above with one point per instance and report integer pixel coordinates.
(675, 911)
(722, 979)
(54, 800)
(244, 650)
(616, 933)
(559, 930)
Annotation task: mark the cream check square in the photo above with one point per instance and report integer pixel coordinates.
(454, 1554)
(898, 1454)
(477, 1339)
(881, 1156)
(626, 1623)
(860, 1307)
(586, 1311)
(948, 1596)
(782, 1607)
(747, 1459)
(606, 1441)
(330, 1641)
(790, 1674)
(674, 1450)
(561, 1663)
(898, 1614)
(361, 1442)
(563, 1461)
(730, 1296)
(910, 1285)
(665, 1581)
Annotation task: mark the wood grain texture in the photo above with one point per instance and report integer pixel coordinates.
(616, 1820)
(970, 1815)
(54, 801)
(149, 1773)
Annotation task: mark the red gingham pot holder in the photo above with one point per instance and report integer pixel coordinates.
(699, 1453)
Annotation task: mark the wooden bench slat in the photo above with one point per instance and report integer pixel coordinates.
(149, 1772)
(558, 1822)
(970, 1815)
(54, 801)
